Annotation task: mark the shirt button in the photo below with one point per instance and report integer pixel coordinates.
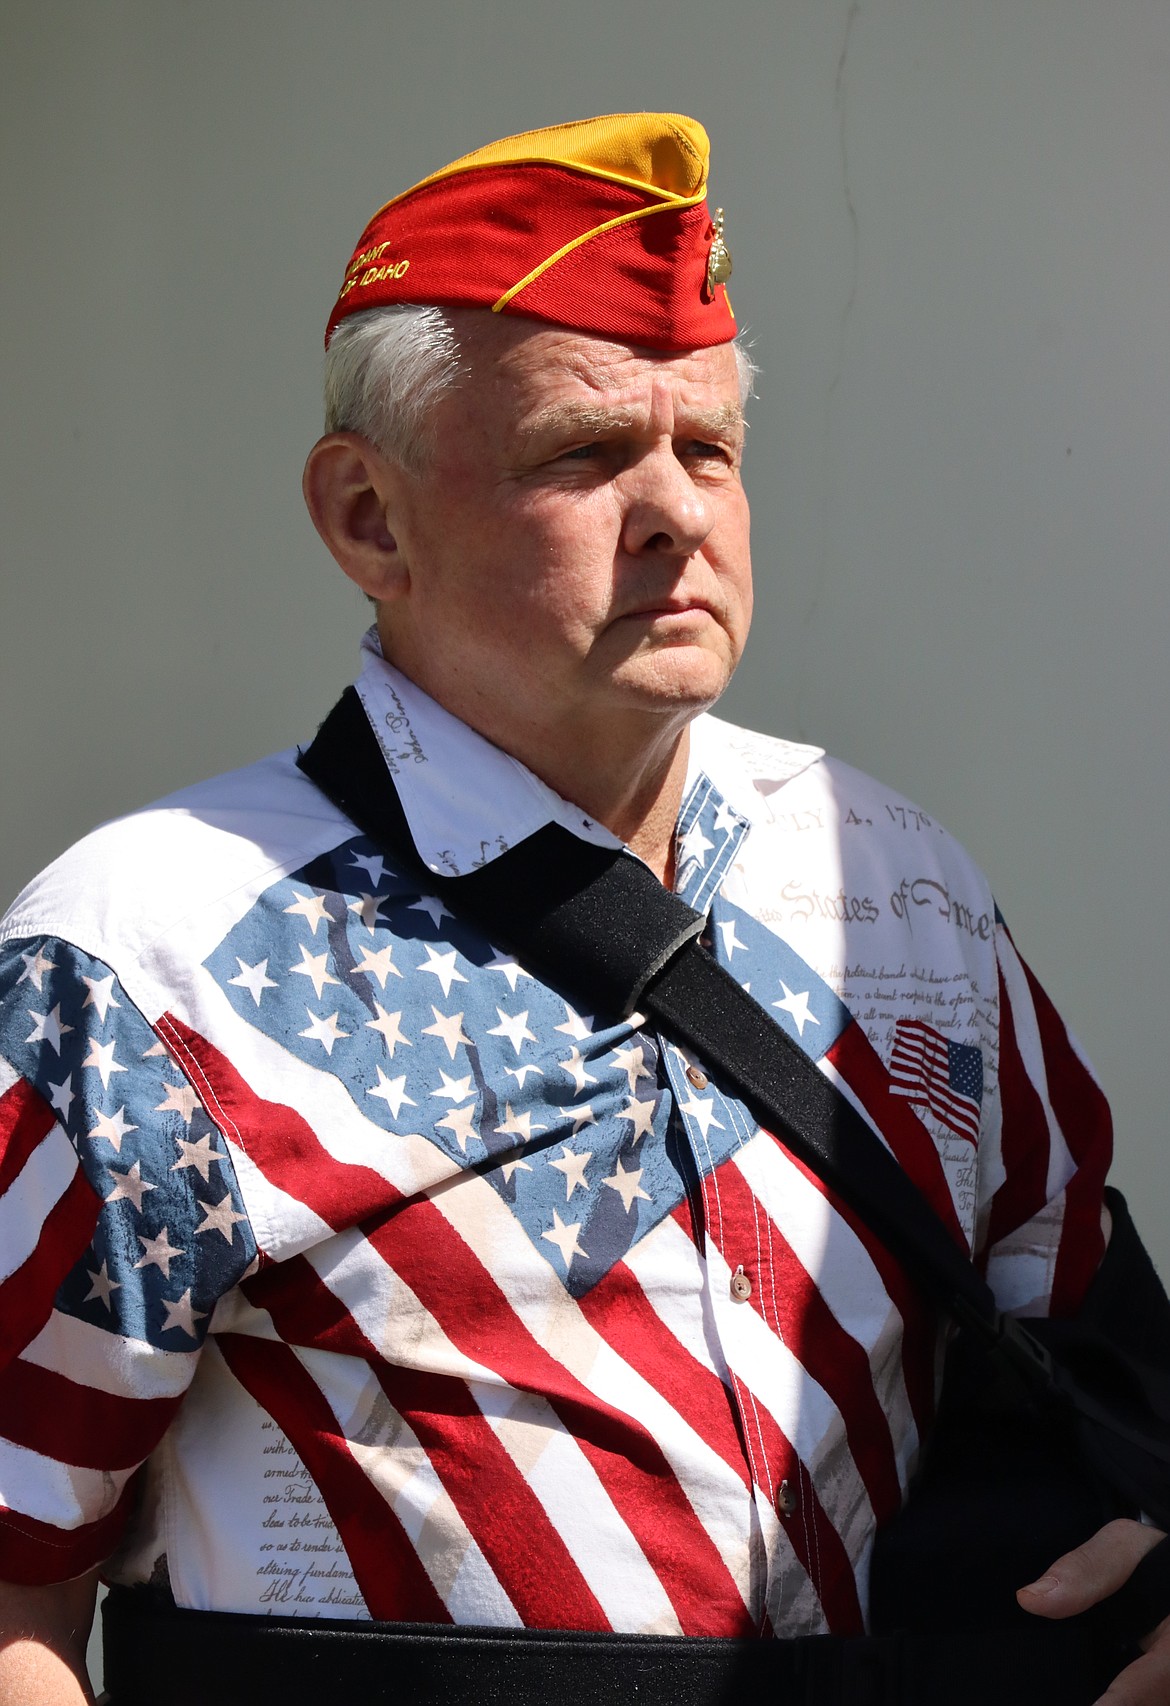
(786, 1500)
(741, 1285)
(696, 1077)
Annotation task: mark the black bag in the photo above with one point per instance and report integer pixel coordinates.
(1020, 1470)
(1047, 1428)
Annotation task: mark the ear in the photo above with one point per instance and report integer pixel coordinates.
(352, 491)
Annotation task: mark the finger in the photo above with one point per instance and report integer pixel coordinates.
(1146, 1682)
(1091, 1572)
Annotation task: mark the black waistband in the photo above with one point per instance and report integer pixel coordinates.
(193, 1658)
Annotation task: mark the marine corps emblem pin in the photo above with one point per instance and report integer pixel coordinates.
(718, 259)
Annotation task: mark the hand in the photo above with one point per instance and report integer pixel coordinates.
(43, 1634)
(1091, 1573)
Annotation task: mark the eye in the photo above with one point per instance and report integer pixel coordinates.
(702, 451)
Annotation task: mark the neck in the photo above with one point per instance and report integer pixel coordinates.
(635, 795)
(626, 768)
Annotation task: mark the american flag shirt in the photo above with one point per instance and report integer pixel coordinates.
(350, 1270)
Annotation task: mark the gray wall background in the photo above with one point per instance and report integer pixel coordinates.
(951, 228)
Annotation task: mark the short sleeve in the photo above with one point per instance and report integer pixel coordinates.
(121, 1225)
(1043, 1187)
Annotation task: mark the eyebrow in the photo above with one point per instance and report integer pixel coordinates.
(592, 420)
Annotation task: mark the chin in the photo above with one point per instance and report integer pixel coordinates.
(676, 681)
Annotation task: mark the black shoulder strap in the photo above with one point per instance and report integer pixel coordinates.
(599, 924)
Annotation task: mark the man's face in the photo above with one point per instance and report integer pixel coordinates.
(577, 546)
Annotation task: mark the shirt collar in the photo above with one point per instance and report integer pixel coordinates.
(466, 801)
(752, 768)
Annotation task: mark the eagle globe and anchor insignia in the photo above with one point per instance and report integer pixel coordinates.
(718, 258)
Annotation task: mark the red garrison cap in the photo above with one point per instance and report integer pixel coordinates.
(601, 225)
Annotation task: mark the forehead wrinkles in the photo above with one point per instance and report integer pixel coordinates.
(527, 381)
(595, 386)
(601, 365)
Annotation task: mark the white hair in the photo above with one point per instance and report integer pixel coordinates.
(746, 368)
(386, 368)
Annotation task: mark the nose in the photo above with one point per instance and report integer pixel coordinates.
(666, 513)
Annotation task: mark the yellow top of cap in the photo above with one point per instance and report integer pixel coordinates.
(663, 152)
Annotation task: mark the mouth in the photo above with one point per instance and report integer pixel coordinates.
(670, 609)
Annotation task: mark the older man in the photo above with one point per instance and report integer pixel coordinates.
(353, 1271)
